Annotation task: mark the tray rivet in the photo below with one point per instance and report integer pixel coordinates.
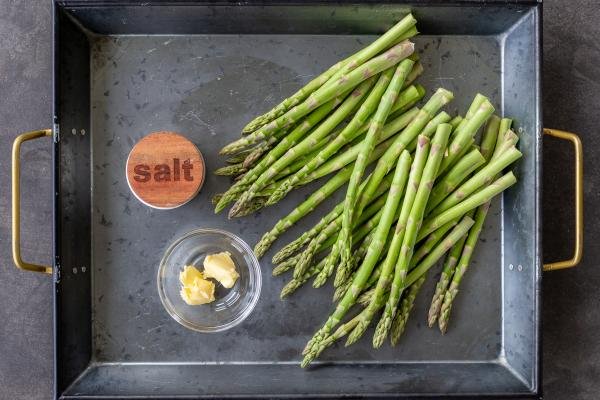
(83, 132)
(83, 269)
(74, 270)
(511, 267)
(520, 267)
(74, 131)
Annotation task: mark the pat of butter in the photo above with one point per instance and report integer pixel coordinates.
(195, 290)
(220, 266)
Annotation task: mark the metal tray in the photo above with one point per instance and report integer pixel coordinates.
(124, 69)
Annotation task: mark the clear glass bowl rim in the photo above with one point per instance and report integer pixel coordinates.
(253, 267)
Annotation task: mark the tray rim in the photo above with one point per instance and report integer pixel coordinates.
(61, 5)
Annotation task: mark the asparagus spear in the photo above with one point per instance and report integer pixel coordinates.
(295, 166)
(415, 218)
(431, 241)
(417, 277)
(320, 80)
(378, 120)
(439, 98)
(301, 210)
(418, 258)
(293, 100)
(282, 175)
(459, 231)
(368, 263)
(231, 170)
(258, 151)
(307, 236)
(266, 192)
(399, 32)
(308, 205)
(386, 138)
(306, 145)
(423, 250)
(290, 140)
(394, 35)
(332, 228)
(455, 122)
(370, 219)
(349, 133)
(489, 138)
(263, 147)
(488, 143)
(481, 178)
(475, 104)
(406, 306)
(504, 126)
(295, 283)
(404, 163)
(339, 333)
(239, 157)
(441, 118)
(445, 277)
(367, 230)
(471, 202)
(363, 239)
(252, 206)
(294, 246)
(357, 257)
(414, 73)
(499, 139)
(343, 272)
(466, 133)
(406, 99)
(487, 147)
(461, 268)
(470, 145)
(285, 266)
(510, 140)
(416, 171)
(417, 124)
(454, 177)
(239, 177)
(384, 278)
(344, 83)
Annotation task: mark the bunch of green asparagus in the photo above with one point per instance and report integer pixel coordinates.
(418, 186)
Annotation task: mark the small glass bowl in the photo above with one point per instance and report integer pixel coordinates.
(231, 306)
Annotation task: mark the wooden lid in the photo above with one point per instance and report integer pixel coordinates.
(165, 170)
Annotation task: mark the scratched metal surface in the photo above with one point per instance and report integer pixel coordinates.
(207, 87)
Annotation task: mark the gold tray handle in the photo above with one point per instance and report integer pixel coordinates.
(16, 201)
(16, 228)
(573, 138)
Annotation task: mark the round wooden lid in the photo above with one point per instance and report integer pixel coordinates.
(165, 170)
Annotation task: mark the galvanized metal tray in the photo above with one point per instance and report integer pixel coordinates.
(126, 69)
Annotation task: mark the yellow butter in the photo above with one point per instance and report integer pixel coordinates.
(195, 290)
(221, 267)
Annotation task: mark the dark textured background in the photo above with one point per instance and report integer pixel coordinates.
(571, 101)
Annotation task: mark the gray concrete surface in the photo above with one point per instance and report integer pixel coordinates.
(571, 102)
